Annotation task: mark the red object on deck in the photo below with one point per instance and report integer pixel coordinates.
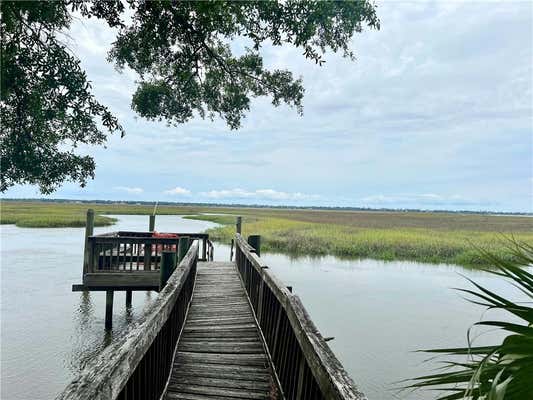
(158, 248)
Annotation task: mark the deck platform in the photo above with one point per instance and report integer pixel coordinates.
(220, 354)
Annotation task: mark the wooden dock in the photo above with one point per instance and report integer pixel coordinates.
(217, 330)
(220, 353)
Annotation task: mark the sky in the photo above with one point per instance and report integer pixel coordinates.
(435, 113)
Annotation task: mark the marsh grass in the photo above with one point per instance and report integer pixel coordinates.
(418, 244)
(61, 215)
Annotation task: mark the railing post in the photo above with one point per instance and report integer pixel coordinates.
(238, 224)
(255, 242)
(204, 249)
(151, 224)
(168, 263)
(89, 230)
(183, 247)
(109, 309)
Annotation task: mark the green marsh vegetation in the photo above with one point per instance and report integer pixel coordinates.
(61, 215)
(426, 237)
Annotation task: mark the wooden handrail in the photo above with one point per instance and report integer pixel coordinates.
(125, 369)
(314, 353)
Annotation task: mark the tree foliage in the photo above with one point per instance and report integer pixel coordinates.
(46, 106)
(184, 53)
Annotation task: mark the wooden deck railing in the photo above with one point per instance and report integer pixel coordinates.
(306, 367)
(137, 366)
(134, 251)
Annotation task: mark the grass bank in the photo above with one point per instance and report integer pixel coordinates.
(392, 242)
(62, 215)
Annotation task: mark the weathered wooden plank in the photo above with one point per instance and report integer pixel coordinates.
(220, 339)
(221, 347)
(221, 321)
(221, 334)
(222, 383)
(225, 372)
(220, 354)
(194, 396)
(241, 370)
(122, 279)
(218, 358)
(217, 391)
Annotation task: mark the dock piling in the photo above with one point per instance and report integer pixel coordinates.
(183, 247)
(128, 298)
(238, 224)
(168, 263)
(89, 230)
(151, 225)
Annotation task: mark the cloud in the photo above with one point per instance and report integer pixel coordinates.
(178, 191)
(131, 190)
(421, 200)
(260, 194)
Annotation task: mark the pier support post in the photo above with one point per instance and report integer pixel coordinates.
(109, 309)
(89, 230)
(128, 298)
(255, 242)
(183, 247)
(238, 224)
(168, 263)
(151, 225)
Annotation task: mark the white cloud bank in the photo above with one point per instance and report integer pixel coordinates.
(178, 191)
(263, 194)
(130, 190)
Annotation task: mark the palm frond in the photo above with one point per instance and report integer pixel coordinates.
(503, 371)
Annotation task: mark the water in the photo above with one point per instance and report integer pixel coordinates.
(378, 312)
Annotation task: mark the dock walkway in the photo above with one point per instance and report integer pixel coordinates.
(216, 330)
(220, 353)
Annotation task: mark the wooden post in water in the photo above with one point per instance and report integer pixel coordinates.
(148, 247)
(109, 309)
(255, 242)
(128, 298)
(168, 263)
(238, 224)
(183, 247)
(89, 230)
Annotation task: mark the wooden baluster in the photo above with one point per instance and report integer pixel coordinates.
(109, 309)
